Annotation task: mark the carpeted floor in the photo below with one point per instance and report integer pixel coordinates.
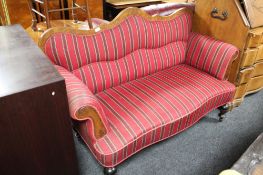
(205, 149)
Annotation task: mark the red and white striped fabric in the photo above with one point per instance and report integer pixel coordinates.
(210, 55)
(138, 79)
(135, 48)
(79, 96)
(153, 108)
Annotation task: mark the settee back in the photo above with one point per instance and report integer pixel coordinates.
(132, 46)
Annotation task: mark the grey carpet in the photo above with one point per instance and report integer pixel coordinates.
(204, 149)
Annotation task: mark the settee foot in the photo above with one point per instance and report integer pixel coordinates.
(110, 171)
(223, 110)
(76, 134)
(221, 118)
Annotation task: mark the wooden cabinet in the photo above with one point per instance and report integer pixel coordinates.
(36, 134)
(247, 71)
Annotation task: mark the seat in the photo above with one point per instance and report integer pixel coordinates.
(150, 109)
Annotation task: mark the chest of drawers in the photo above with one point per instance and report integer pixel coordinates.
(254, 47)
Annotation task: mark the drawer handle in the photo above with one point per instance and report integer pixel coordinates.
(214, 14)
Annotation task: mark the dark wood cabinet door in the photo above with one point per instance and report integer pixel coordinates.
(35, 128)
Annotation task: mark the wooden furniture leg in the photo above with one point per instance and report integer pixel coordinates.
(110, 171)
(34, 19)
(47, 13)
(223, 110)
(88, 15)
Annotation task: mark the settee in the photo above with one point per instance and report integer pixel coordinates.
(139, 80)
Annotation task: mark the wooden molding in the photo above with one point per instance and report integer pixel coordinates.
(236, 103)
(88, 112)
(230, 66)
(132, 11)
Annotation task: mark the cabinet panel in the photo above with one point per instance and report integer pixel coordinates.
(255, 84)
(258, 69)
(261, 40)
(259, 53)
(249, 57)
(245, 75)
(240, 91)
(36, 134)
(258, 31)
(253, 40)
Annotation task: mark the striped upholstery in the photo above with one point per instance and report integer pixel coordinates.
(209, 55)
(121, 54)
(153, 108)
(141, 78)
(79, 96)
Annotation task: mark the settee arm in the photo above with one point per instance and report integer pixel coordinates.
(210, 55)
(83, 105)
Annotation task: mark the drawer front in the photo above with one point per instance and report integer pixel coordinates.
(249, 57)
(253, 40)
(240, 91)
(245, 75)
(261, 39)
(255, 84)
(258, 71)
(259, 53)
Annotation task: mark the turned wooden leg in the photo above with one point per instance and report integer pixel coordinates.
(110, 171)
(33, 15)
(34, 24)
(223, 110)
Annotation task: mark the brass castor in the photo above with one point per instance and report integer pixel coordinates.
(110, 171)
(223, 110)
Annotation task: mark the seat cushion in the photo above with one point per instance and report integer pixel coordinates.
(150, 109)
